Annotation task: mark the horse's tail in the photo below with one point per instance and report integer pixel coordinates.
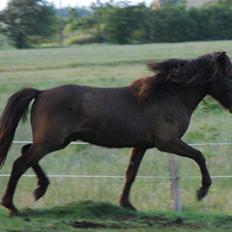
(15, 109)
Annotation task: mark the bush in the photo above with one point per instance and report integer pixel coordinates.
(172, 25)
(176, 24)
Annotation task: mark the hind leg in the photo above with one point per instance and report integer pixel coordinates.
(42, 179)
(42, 182)
(19, 167)
(29, 157)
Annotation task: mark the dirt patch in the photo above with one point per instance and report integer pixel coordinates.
(179, 223)
(95, 225)
(163, 222)
(145, 222)
(87, 225)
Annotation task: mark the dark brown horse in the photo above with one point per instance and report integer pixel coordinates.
(151, 112)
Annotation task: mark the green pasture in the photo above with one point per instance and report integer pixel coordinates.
(92, 216)
(114, 65)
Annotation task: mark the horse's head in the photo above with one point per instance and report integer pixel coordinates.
(221, 87)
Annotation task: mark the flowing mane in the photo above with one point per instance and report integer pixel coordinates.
(187, 73)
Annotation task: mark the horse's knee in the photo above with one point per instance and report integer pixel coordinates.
(199, 158)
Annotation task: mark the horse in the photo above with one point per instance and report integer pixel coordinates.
(152, 112)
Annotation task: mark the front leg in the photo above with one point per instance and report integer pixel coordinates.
(178, 147)
(135, 160)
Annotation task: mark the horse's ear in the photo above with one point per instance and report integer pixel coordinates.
(223, 53)
(221, 57)
(222, 60)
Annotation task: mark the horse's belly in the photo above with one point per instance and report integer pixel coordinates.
(114, 138)
(104, 139)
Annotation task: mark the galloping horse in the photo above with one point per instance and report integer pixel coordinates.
(151, 112)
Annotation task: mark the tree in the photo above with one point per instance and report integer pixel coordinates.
(164, 3)
(125, 24)
(27, 18)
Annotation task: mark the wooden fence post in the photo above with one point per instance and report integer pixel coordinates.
(174, 178)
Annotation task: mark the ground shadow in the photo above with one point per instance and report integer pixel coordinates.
(89, 214)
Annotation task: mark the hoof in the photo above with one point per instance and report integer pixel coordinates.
(11, 208)
(128, 205)
(201, 193)
(39, 192)
(14, 213)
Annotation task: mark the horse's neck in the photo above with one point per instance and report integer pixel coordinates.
(191, 97)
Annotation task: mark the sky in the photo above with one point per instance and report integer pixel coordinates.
(73, 3)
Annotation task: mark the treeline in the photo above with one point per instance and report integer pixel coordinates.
(34, 22)
(141, 24)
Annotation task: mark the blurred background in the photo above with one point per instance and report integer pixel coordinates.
(39, 23)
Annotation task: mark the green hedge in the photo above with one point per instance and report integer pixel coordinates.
(176, 24)
(141, 24)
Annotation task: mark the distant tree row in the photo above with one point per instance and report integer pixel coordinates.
(122, 23)
(30, 22)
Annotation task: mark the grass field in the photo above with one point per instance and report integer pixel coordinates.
(108, 65)
(91, 217)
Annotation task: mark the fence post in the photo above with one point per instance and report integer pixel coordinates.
(174, 178)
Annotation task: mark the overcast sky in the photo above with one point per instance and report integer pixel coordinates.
(3, 3)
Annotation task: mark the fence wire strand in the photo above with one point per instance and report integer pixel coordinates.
(122, 177)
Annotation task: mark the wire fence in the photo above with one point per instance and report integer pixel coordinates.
(122, 177)
(173, 177)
